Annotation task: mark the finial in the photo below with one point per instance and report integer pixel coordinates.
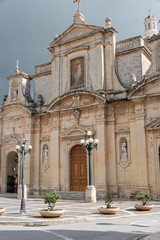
(108, 22)
(149, 12)
(17, 67)
(78, 4)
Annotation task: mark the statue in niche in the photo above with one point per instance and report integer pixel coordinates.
(45, 155)
(124, 157)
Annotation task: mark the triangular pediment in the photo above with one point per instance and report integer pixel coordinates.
(150, 88)
(76, 100)
(76, 131)
(74, 32)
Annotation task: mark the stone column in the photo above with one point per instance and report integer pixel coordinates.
(111, 155)
(35, 160)
(100, 157)
(55, 177)
(142, 175)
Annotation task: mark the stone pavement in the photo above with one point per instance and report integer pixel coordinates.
(75, 211)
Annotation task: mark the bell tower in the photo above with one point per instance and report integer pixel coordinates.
(19, 88)
(150, 24)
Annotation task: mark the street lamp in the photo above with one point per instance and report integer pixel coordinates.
(22, 150)
(89, 144)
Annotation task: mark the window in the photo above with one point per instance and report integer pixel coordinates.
(146, 27)
(154, 25)
(149, 26)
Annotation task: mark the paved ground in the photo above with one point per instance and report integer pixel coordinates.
(75, 211)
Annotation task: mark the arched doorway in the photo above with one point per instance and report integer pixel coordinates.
(78, 158)
(12, 172)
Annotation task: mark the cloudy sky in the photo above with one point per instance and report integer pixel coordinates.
(28, 26)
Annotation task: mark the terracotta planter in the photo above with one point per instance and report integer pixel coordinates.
(111, 210)
(53, 213)
(2, 210)
(141, 207)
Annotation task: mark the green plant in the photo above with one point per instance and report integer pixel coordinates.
(51, 199)
(144, 197)
(108, 200)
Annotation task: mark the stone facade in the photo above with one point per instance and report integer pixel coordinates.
(114, 86)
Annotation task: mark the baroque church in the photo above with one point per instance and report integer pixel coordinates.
(92, 83)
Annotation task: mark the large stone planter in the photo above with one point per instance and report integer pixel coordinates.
(2, 210)
(111, 210)
(53, 213)
(141, 207)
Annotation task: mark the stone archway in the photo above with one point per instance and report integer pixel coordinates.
(12, 172)
(78, 168)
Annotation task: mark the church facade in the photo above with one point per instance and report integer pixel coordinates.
(92, 83)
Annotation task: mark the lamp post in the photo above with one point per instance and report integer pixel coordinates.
(22, 150)
(89, 144)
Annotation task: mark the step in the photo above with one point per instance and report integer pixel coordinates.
(72, 195)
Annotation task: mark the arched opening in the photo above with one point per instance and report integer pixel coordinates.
(12, 172)
(78, 175)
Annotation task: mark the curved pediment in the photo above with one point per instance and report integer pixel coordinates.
(76, 99)
(14, 111)
(150, 88)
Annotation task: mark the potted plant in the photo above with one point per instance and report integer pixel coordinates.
(51, 198)
(108, 209)
(144, 206)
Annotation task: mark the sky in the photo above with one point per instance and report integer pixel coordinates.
(27, 27)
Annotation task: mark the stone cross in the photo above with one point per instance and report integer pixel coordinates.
(17, 63)
(78, 4)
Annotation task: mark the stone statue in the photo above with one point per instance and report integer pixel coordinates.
(45, 154)
(40, 100)
(124, 151)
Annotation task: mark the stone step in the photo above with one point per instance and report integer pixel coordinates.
(72, 195)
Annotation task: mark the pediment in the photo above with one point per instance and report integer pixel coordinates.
(75, 31)
(153, 125)
(14, 111)
(13, 138)
(149, 88)
(75, 100)
(76, 132)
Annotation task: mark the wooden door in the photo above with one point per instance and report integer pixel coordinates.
(78, 169)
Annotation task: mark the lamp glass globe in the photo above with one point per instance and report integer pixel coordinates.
(89, 133)
(91, 140)
(82, 141)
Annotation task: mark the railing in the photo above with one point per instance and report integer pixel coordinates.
(44, 68)
(129, 44)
